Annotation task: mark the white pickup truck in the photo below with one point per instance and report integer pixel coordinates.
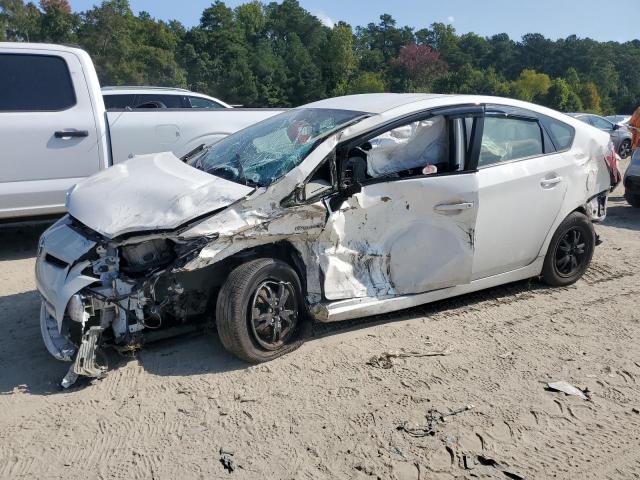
(54, 129)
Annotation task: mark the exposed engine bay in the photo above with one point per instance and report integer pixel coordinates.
(136, 287)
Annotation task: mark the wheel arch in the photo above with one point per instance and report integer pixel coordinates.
(582, 208)
(282, 250)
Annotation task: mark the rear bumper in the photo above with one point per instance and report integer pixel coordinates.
(597, 207)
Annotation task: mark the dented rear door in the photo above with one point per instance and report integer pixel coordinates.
(401, 236)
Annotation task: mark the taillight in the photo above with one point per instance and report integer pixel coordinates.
(611, 159)
(610, 156)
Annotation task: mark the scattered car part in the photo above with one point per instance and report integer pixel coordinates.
(568, 389)
(434, 420)
(85, 361)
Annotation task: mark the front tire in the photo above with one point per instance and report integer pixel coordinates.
(259, 312)
(570, 251)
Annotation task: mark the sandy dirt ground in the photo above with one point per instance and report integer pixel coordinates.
(324, 412)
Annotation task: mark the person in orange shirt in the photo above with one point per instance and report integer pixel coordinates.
(634, 126)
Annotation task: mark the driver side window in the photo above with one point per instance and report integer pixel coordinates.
(431, 145)
(415, 148)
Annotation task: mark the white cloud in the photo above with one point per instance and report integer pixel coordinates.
(451, 19)
(325, 19)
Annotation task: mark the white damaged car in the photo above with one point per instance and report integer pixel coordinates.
(342, 208)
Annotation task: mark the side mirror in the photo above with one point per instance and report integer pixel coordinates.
(313, 188)
(615, 127)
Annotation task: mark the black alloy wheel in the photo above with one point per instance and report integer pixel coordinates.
(571, 253)
(274, 314)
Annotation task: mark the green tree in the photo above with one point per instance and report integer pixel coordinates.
(367, 82)
(442, 38)
(57, 23)
(530, 85)
(20, 22)
(339, 58)
(127, 49)
(277, 53)
(590, 98)
(558, 94)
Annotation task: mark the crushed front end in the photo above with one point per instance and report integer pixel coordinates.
(98, 292)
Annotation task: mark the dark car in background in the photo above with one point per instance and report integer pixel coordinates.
(632, 180)
(620, 136)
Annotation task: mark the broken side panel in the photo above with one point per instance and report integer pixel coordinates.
(400, 237)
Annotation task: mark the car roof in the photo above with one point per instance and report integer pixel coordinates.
(385, 107)
(143, 88)
(372, 102)
(581, 114)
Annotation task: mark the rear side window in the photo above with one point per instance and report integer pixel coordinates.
(35, 83)
(561, 134)
(161, 101)
(505, 139)
(198, 102)
(118, 101)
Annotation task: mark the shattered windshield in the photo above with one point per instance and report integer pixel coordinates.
(262, 153)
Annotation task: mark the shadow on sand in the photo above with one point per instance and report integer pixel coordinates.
(26, 366)
(20, 242)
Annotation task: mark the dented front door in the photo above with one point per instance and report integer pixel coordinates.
(401, 236)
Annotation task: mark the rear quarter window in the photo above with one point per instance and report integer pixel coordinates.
(35, 83)
(562, 135)
(114, 102)
(162, 101)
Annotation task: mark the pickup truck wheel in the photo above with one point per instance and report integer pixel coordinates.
(570, 251)
(259, 312)
(633, 199)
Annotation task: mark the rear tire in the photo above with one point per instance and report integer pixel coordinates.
(260, 312)
(633, 199)
(570, 251)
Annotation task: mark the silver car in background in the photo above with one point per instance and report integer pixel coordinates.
(620, 135)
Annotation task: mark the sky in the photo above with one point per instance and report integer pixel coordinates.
(597, 19)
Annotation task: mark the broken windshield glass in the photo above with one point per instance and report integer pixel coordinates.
(262, 153)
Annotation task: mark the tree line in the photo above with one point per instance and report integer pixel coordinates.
(279, 54)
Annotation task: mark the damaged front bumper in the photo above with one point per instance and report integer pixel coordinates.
(88, 301)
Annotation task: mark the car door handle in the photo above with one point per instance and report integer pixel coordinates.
(550, 182)
(71, 134)
(453, 207)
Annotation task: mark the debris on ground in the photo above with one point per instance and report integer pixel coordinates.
(483, 461)
(226, 459)
(385, 360)
(434, 419)
(568, 389)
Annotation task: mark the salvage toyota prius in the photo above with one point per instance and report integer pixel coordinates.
(343, 208)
